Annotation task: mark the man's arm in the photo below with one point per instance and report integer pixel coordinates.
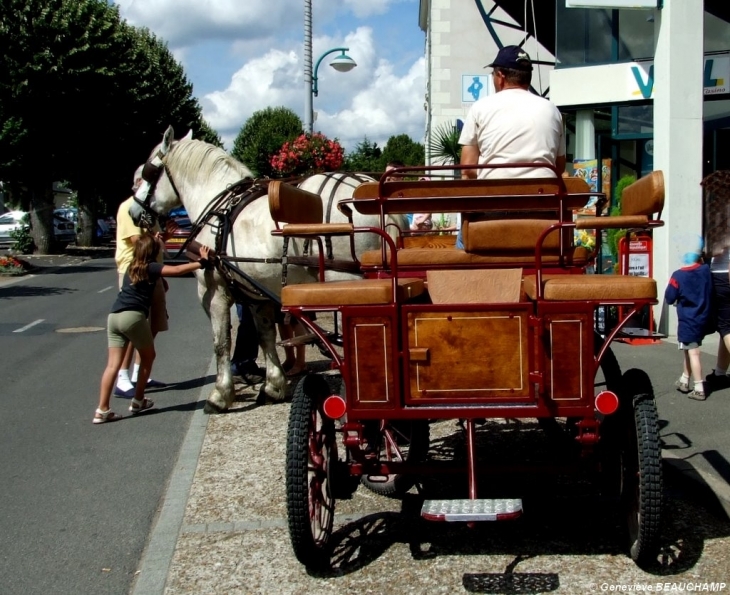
(560, 164)
(469, 156)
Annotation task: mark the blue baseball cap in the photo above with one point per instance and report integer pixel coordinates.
(514, 57)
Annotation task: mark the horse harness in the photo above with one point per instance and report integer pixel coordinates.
(221, 214)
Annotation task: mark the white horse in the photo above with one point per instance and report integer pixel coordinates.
(192, 173)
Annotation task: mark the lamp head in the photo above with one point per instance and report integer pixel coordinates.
(343, 63)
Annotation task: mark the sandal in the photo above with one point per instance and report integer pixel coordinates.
(140, 406)
(103, 417)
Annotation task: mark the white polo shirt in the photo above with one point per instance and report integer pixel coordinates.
(513, 126)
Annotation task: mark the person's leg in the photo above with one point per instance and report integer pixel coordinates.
(723, 356)
(695, 365)
(243, 361)
(141, 336)
(147, 357)
(117, 344)
(682, 385)
(114, 362)
(721, 308)
(124, 387)
(158, 324)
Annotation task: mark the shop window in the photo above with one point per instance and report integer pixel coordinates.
(583, 36)
(634, 119)
(635, 34)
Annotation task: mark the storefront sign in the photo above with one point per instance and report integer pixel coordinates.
(716, 77)
(626, 81)
(475, 86)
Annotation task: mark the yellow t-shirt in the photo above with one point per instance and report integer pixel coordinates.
(126, 229)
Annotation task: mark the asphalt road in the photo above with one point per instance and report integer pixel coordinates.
(78, 500)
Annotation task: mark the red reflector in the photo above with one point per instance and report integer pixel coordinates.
(606, 402)
(334, 407)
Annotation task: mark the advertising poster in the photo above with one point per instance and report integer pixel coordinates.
(599, 180)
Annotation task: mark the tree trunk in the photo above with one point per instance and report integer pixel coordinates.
(86, 233)
(41, 218)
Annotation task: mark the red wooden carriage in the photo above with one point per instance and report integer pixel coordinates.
(504, 328)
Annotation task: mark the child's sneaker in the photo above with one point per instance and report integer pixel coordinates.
(697, 395)
(682, 386)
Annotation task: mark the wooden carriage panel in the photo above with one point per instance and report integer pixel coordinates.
(568, 357)
(372, 358)
(468, 355)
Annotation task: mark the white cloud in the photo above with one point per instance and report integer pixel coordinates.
(261, 43)
(270, 80)
(185, 22)
(376, 101)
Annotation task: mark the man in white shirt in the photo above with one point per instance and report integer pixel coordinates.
(513, 125)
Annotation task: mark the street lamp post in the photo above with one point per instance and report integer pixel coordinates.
(342, 63)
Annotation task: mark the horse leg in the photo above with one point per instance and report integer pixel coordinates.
(275, 385)
(214, 296)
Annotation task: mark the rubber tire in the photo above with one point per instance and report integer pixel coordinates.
(309, 501)
(643, 489)
(411, 433)
(631, 453)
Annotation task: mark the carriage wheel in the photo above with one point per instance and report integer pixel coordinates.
(398, 440)
(634, 446)
(310, 449)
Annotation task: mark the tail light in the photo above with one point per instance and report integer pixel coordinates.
(334, 407)
(606, 402)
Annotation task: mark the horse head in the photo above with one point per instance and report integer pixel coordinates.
(157, 193)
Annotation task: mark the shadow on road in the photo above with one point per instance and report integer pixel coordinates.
(16, 291)
(564, 515)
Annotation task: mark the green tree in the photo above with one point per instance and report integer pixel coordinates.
(365, 157)
(263, 135)
(83, 97)
(403, 148)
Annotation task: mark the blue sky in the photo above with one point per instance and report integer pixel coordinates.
(242, 56)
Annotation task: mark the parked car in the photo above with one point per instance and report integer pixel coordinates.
(181, 234)
(105, 228)
(63, 229)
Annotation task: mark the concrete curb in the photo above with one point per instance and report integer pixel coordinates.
(157, 556)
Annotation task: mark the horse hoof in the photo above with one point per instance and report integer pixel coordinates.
(211, 407)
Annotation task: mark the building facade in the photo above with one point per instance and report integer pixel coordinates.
(639, 89)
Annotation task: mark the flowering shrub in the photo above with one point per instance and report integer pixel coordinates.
(308, 154)
(9, 265)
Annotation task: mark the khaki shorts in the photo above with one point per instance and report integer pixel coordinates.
(158, 309)
(131, 325)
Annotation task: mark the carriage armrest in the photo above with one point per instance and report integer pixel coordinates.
(317, 229)
(619, 222)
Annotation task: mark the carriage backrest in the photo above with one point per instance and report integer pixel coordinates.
(449, 196)
(289, 204)
(645, 196)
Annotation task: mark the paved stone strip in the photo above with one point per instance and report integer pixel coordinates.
(256, 525)
(157, 557)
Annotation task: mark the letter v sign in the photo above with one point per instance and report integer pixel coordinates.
(646, 88)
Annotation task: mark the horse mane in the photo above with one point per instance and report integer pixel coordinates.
(207, 163)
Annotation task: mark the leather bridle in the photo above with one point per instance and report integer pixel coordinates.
(151, 173)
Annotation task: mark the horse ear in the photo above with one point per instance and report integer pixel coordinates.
(188, 136)
(167, 140)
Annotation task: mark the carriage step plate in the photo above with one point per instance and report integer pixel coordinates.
(502, 509)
